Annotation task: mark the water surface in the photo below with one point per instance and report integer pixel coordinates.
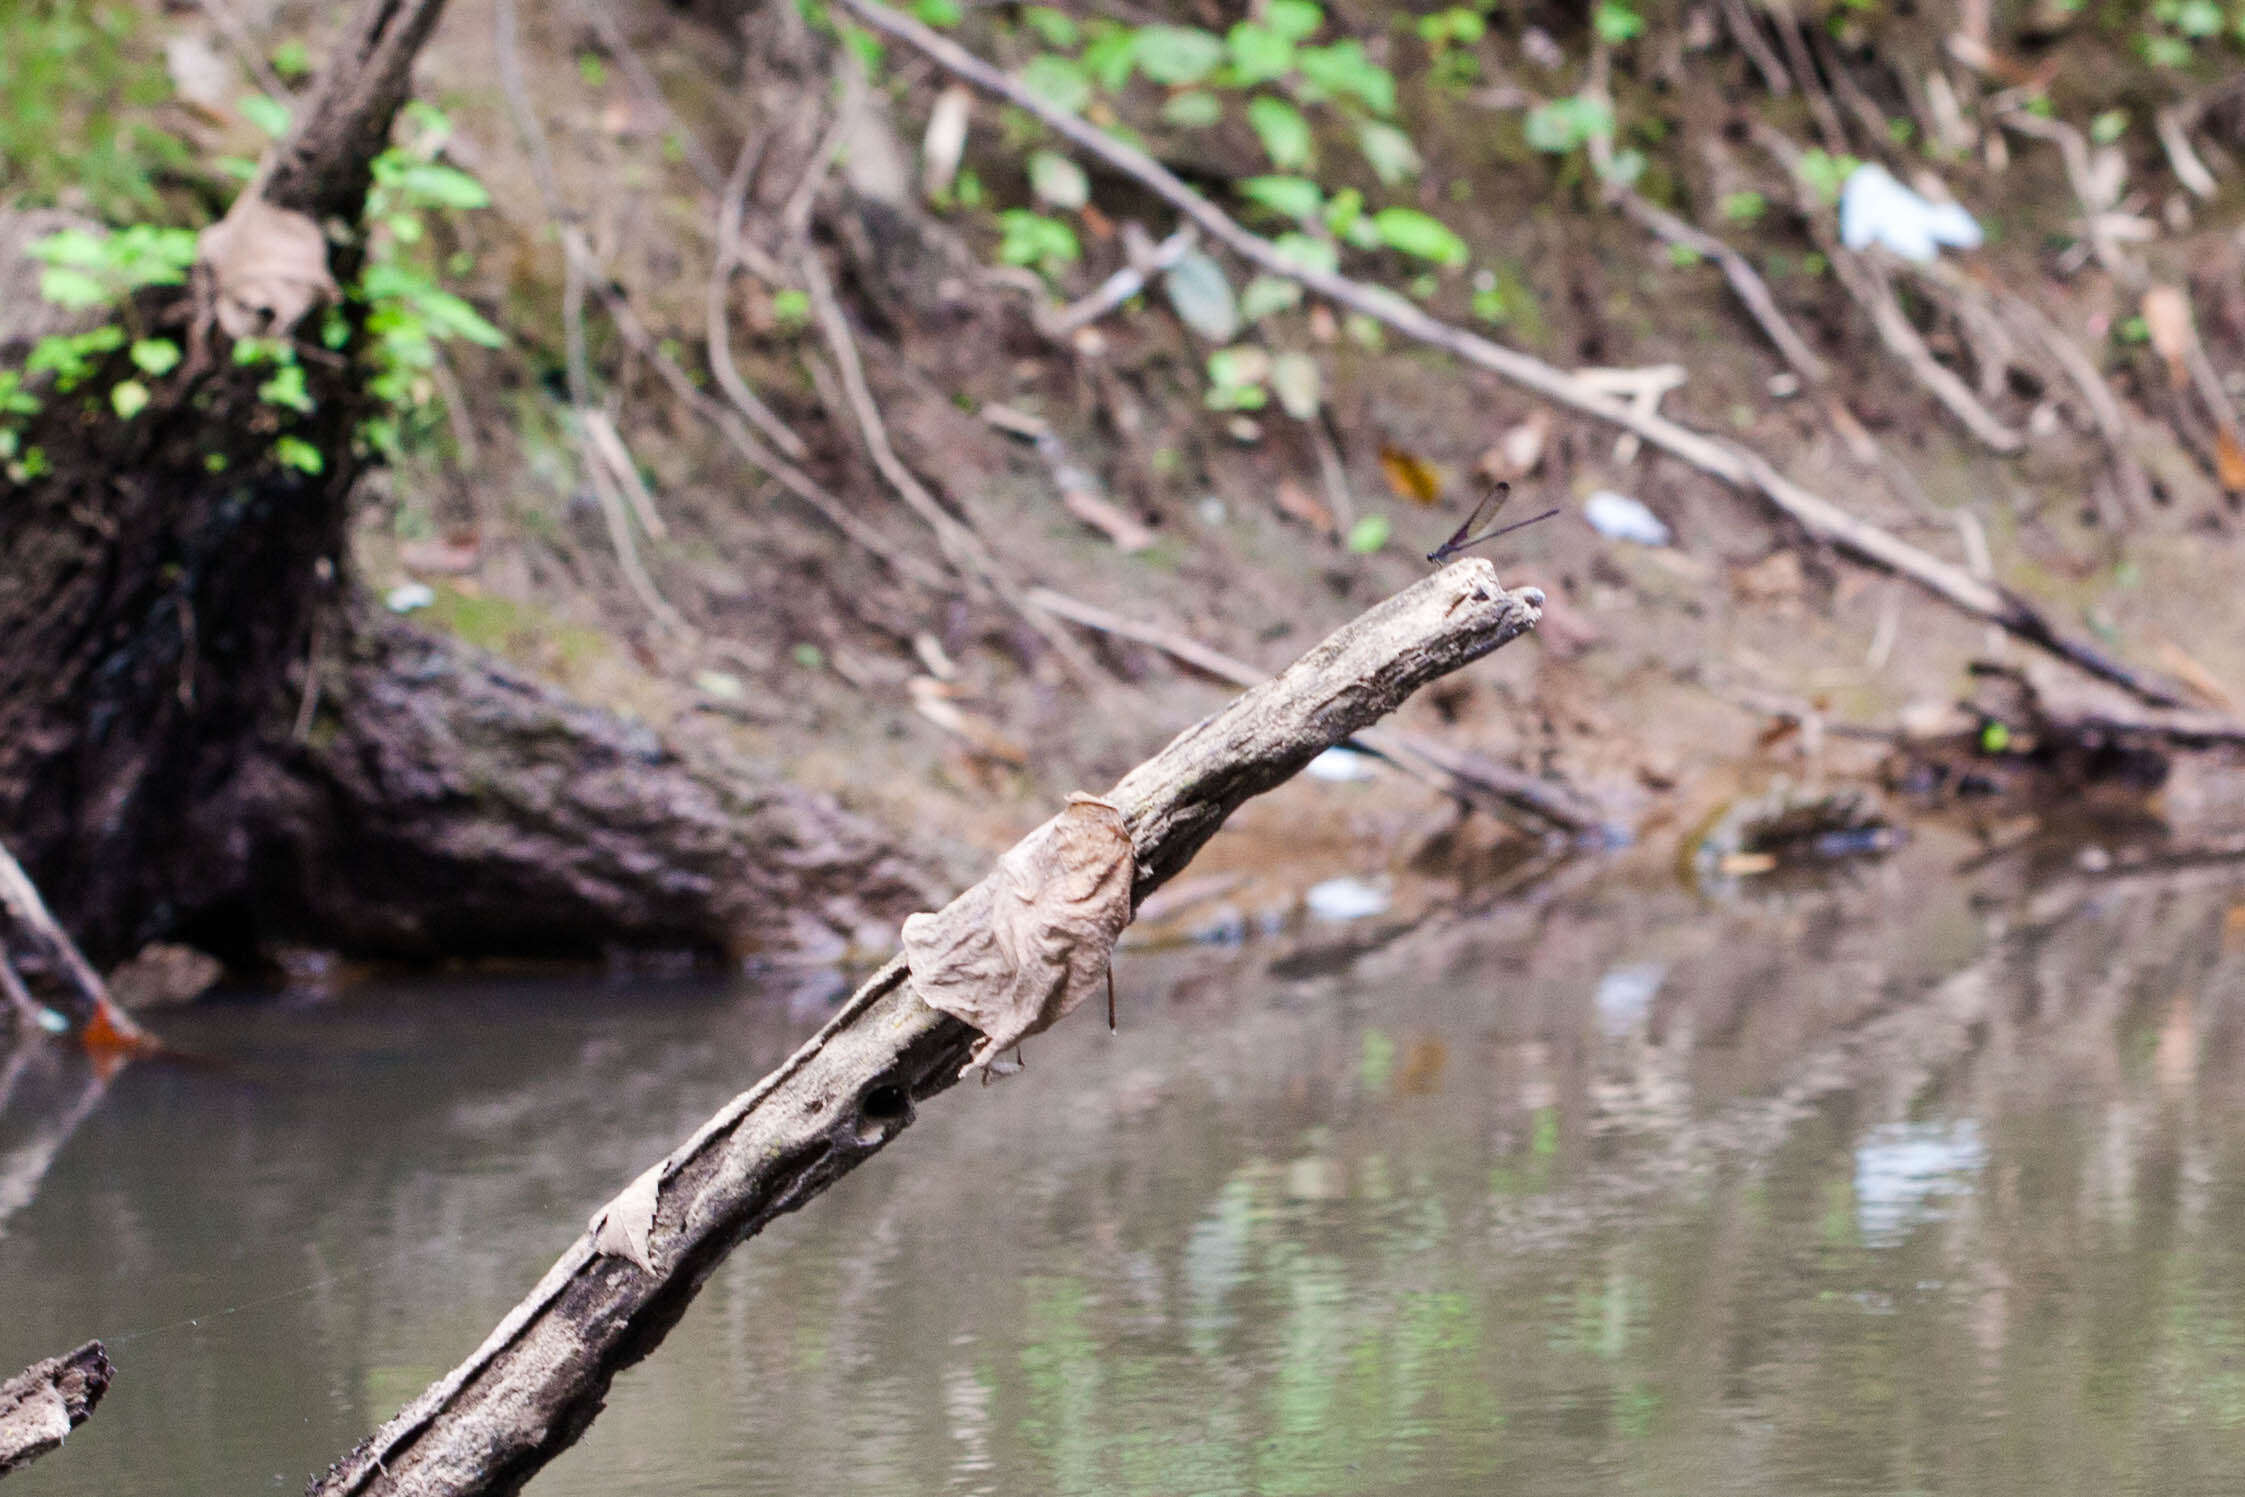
(1898, 1182)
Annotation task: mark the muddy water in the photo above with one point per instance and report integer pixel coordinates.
(1908, 1182)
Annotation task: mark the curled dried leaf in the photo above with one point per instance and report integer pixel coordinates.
(268, 266)
(1016, 952)
(625, 1227)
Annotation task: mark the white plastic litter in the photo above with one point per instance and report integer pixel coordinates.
(1622, 518)
(1625, 995)
(1341, 765)
(1876, 209)
(1346, 898)
(407, 596)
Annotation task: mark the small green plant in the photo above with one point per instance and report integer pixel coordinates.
(1825, 173)
(1743, 207)
(1617, 23)
(1041, 243)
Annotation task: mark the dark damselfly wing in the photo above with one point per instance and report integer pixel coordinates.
(1471, 533)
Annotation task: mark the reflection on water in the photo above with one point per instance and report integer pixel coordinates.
(1896, 1185)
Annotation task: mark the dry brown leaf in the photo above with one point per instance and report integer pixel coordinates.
(268, 266)
(2167, 319)
(2229, 461)
(1296, 503)
(1110, 520)
(625, 1227)
(1410, 476)
(1016, 952)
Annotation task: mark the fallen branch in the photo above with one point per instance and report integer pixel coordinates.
(42, 1404)
(30, 938)
(1745, 281)
(535, 1384)
(1736, 466)
(1466, 778)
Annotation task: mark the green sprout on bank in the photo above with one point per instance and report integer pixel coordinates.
(407, 314)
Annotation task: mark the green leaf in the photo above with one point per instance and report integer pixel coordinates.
(1743, 207)
(2109, 126)
(295, 452)
(75, 289)
(72, 247)
(1110, 55)
(1617, 23)
(1296, 20)
(156, 357)
(1369, 534)
(128, 398)
(1057, 82)
(1420, 234)
(266, 113)
(1296, 197)
(292, 59)
(1177, 55)
(1055, 28)
(1266, 294)
(1030, 238)
(1995, 737)
(1563, 124)
(1258, 54)
(1393, 158)
(1825, 173)
(444, 186)
(1195, 109)
(286, 388)
(1343, 71)
(450, 316)
(1057, 180)
(941, 14)
(1202, 296)
(1307, 252)
(1283, 131)
(1298, 383)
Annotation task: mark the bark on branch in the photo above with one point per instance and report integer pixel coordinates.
(539, 1379)
(42, 1404)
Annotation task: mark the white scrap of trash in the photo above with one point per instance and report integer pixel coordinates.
(407, 596)
(1621, 518)
(1341, 765)
(1346, 898)
(1876, 209)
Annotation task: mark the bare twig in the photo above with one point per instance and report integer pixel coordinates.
(1465, 777)
(610, 444)
(1738, 18)
(30, 931)
(2173, 127)
(731, 208)
(958, 540)
(612, 512)
(2095, 197)
(530, 1390)
(627, 57)
(1745, 281)
(1733, 465)
(1122, 285)
(246, 49)
(42, 1404)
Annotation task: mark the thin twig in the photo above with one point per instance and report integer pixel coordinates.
(958, 541)
(246, 49)
(1745, 281)
(627, 57)
(610, 443)
(1738, 17)
(1737, 466)
(1122, 285)
(731, 209)
(1466, 778)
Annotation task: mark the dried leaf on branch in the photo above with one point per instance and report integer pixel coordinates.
(1016, 952)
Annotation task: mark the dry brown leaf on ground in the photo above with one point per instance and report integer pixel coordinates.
(2167, 320)
(1016, 952)
(268, 267)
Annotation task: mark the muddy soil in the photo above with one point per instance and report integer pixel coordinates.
(1666, 681)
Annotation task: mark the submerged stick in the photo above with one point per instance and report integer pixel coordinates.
(1739, 467)
(538, 1380)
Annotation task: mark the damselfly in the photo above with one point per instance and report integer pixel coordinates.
(1485, 511)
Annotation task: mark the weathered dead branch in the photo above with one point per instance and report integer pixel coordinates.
(42, 1404)
(30, 940)
(1465, 777)
(1736, 466)
(534, 1385)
